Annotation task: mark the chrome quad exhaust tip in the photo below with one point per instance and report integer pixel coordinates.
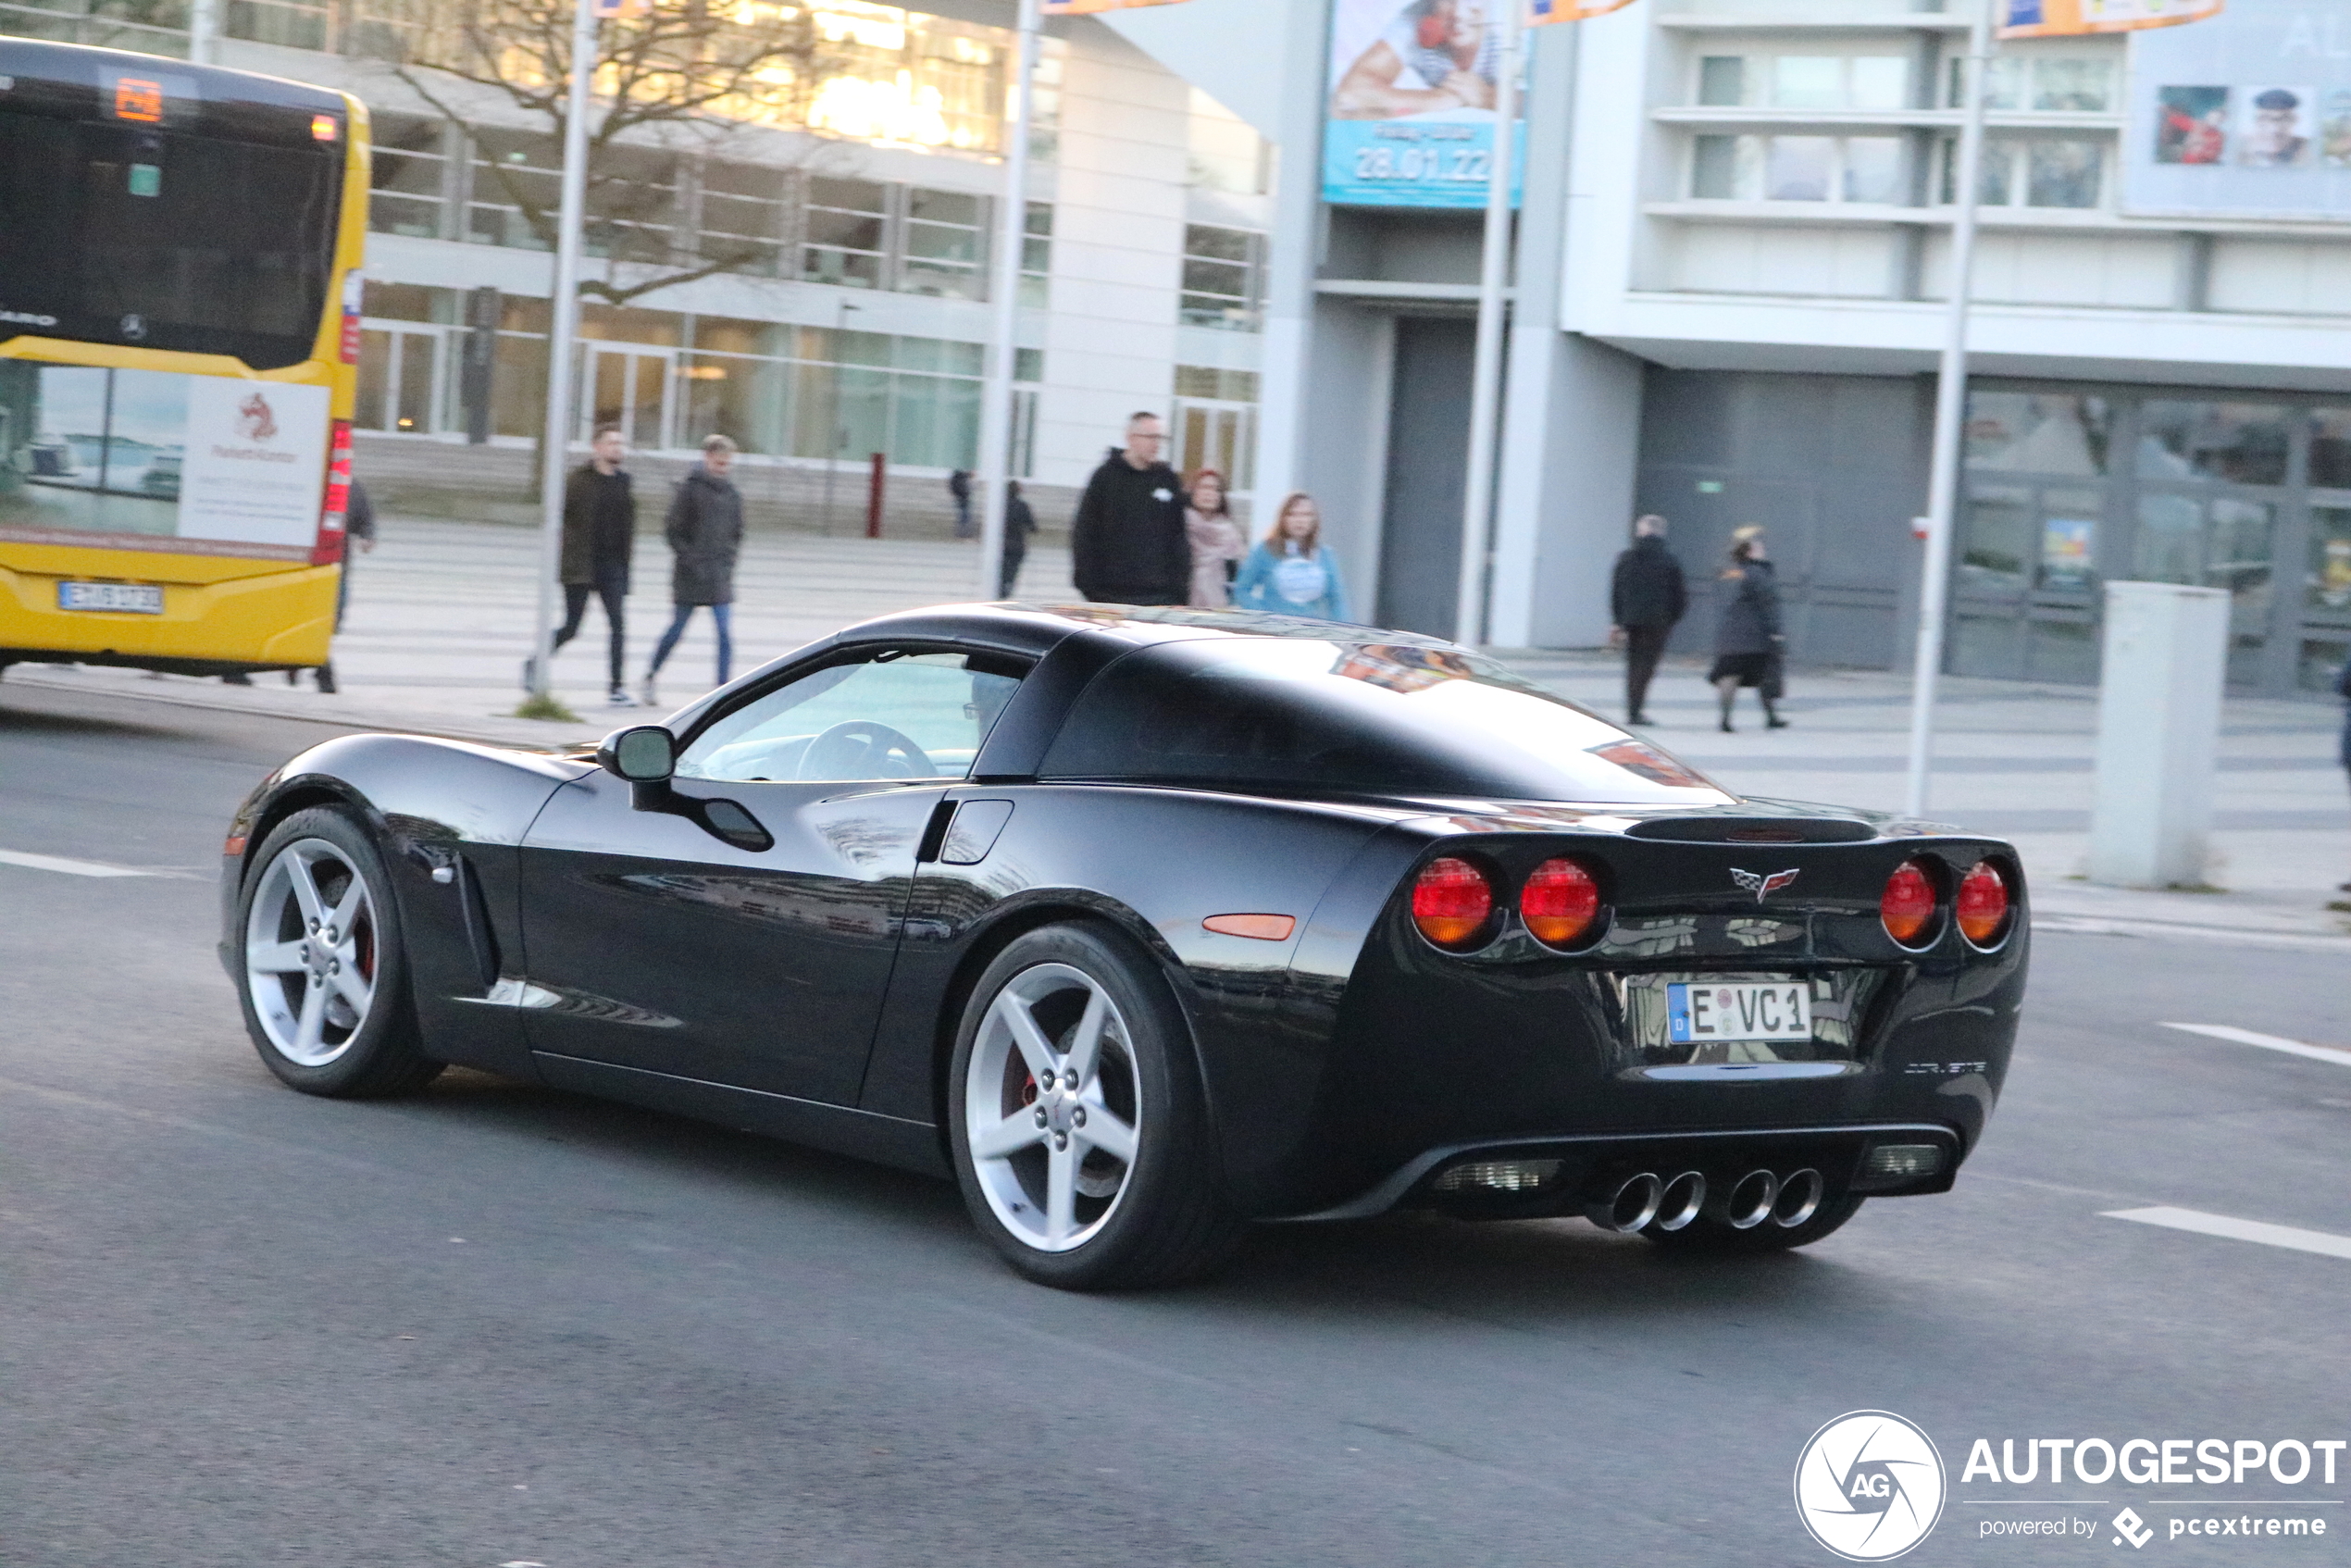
(1747, 1202)
(1631, 1203)
(1683, 1197)
(1798, 1198)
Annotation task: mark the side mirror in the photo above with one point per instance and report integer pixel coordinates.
(647, 755)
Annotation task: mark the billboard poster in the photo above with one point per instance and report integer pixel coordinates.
(2072, 18)
(210, 464)
(2246, 115)
(1409, 121)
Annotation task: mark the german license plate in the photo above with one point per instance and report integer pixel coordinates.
(1696, 1012)
(140, 598)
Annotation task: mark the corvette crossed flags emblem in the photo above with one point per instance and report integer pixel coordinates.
(1762, 887)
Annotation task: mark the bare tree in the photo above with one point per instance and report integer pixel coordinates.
(678, 77)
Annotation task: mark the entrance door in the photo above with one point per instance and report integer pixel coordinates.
(629, 387)
(400, 372)
(1218, 435)
(1428, 468)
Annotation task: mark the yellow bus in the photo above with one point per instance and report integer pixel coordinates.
(179, 255)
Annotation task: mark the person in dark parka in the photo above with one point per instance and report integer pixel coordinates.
(1127, 541)
(1749, 647)
(705, 532)
(1019, 523)
(600, 542)
(1647, 597)
(2343, 689)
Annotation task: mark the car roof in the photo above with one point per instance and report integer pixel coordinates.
(1019, 625)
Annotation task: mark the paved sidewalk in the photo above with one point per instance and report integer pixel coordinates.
(441, 613)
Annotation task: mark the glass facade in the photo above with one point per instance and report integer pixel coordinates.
(2067, 487)
(670, 380)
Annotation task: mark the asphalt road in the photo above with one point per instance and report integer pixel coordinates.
(498, 1325)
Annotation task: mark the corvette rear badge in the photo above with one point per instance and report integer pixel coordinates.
(1762, 887)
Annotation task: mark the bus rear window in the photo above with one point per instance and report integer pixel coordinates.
(131, 232)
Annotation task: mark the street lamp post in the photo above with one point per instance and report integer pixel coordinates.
(561, 337)
(1486, 377)
(1003, 284)
(1951, 411)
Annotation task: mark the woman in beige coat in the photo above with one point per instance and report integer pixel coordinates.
(1217, 543)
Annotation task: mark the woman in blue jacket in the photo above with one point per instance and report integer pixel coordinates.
(1293, 572)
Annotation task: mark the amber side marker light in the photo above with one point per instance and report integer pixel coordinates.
(1907, 904)
(1983, 904)
(1452, 901)
(1559, 902)
(1264, 928)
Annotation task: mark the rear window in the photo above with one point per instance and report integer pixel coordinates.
(1355, 719)
(207, 228)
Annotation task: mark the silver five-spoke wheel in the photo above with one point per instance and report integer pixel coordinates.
(311, 945)
(1053, 1105)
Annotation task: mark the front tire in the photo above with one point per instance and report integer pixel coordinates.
(324, 968)
(1078, 1130)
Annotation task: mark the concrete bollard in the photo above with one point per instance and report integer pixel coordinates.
(2164, 665)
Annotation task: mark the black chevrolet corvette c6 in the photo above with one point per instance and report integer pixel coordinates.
(1147, 923)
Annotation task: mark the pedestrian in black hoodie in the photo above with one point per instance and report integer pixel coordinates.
(705, 532)
(1647, 597)
(1127, 540)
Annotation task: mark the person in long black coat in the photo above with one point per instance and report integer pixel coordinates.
(705, 532)
(1748, 646)
(1647, 597)
(1019, 523)
(2343, 689)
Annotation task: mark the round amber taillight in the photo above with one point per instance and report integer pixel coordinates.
(1559, 902)
(1452, 901)
(1983, 904)
(1907, 904)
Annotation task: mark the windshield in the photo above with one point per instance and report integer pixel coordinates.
(162, 219)
(1355, 718)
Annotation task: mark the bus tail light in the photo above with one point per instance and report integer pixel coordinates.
(1907, 904)
(329, 549)
(1452, 901)
(1983, 904)
(1559, 902)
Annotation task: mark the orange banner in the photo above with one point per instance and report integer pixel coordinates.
(1541, 11)
(2072, 18)
(1087, 8)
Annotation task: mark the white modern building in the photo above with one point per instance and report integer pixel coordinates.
(1729, 285)
(850, 315)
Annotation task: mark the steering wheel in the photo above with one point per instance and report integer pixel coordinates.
(861, 748)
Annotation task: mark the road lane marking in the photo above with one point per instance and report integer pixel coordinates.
(2236, 1036)
(71, 868)
(2284, 1236)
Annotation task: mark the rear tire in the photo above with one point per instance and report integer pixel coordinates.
(323, 971)
(1707, 1235)
(1105, 1182)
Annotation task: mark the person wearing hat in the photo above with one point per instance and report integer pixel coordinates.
(1747, 643)
(2275, 138)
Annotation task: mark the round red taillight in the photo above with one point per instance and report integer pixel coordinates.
(1983, 906)
(1452, 901)
(1907, 904)
(1559, 902)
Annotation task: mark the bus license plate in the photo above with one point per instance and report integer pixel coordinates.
(1698, 1013)
(140, 598)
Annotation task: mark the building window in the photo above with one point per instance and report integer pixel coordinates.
(1799, 168)
(2044, 83)
(1216, 423)
(406, 195)
(943, 244)
(742, 218)
(1037, 256)
(1222, 270)
(512, 173)
(2034, 172)
(1227, 154)
(1804, 82)
(847, 222)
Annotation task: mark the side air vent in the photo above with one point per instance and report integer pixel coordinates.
(1752, 831)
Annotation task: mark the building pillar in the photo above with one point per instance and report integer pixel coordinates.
(1290, 268)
